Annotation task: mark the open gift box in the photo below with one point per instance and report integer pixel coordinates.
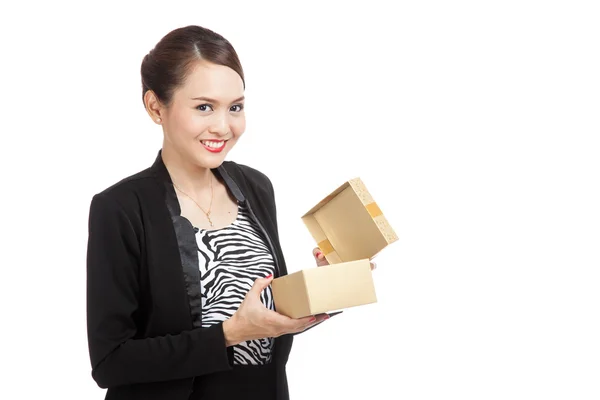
(350, 229)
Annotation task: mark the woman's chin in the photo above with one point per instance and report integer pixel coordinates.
(210, 160)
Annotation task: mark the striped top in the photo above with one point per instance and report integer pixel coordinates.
(230, 260)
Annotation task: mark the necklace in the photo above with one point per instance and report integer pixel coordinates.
(199, 206)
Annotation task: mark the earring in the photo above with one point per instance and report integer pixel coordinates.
(157, 119)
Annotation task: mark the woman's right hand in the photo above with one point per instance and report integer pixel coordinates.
(253, 320)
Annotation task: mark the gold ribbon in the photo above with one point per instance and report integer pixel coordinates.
(325, 247)
(374, 210)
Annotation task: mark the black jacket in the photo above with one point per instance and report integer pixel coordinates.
(143, 335)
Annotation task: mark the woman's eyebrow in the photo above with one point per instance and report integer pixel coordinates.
(204, 98)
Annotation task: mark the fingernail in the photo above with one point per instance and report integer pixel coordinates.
(326, 317)
(319, 254)
(268, 276)
(313, 319)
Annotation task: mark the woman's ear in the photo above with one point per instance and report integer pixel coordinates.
(153, 106)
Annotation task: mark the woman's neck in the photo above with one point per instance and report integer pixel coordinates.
(187, 176)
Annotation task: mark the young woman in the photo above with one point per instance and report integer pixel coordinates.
(181, 255)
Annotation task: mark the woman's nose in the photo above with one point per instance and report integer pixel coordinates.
(220, 125)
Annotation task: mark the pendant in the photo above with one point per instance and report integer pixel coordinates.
(209, 220)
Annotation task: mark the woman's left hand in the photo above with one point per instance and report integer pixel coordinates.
(321, 260)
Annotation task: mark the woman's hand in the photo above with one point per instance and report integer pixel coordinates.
(321, 260)
(253, 320)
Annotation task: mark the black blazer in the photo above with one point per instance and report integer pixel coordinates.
(143, 309)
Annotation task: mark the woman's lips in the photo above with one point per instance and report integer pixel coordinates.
(214, 146)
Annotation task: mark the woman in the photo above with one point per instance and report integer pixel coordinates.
(181, 255)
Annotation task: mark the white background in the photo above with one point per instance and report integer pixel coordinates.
(474, 124)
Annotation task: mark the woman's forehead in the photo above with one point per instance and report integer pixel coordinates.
(214, 81)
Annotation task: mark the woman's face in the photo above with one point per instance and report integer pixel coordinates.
(206, 115)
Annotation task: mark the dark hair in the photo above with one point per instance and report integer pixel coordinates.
(167, 65)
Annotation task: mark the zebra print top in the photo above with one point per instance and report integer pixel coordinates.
(231, 259)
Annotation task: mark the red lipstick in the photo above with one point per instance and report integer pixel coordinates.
(220, 145)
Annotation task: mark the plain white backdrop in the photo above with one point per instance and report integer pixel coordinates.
(474, 124)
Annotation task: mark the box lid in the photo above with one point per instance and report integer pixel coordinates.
(348, 224)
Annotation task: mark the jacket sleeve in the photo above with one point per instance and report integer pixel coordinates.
(118, 356)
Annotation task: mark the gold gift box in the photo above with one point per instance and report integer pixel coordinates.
(350, 229)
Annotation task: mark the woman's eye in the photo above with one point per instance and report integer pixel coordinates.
(204, 107)
(237, 108)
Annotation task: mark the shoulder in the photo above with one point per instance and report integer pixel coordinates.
(249, 175)
(125, 193)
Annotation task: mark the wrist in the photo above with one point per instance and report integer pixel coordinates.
(231, 332)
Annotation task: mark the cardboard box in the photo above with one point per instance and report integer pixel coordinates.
(324, 289)
(350, 229)
(348, 224)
